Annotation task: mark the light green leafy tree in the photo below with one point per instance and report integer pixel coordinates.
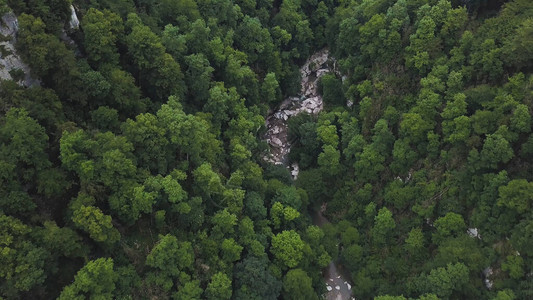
(98, 225)
(287, 248)
(219, 288)
(169, 259)
(96, 280)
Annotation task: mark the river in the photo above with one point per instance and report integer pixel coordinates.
(309, 101)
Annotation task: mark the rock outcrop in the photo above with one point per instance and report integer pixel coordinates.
(74, 22)
(11, 65)
(10, 61)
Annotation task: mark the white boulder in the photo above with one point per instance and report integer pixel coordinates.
(276, 142)
(473, 232)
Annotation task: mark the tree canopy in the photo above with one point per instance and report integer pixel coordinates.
(135, 163)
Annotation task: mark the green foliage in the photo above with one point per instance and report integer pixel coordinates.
(369, 164)
(514, 265)
(253, 280)
(389, 298)
(98, 225)
(190, 290)
(287, 248)
(496, 149)
(270, 89)
(96, 280)
(183, 11)
(224, 222)
(49, 58)
(101, 31)
(505, 295)
(4, 8)
(414, 128)
(254, 206)
(22, 261)
(139, 149)
(383, 226)
(24, 143)
(197, 76)
(231, 251)
(332, 90)
(443, 282)
(61, 240)
(451, 224)
(106, 159)
(517, 195)
(414, 243)
(521, 119)
(329, 160)
(281, 214)
(23, 161)
(219, 288)
(169, 259)
(297, 285)
(189, 135)
(163, 74)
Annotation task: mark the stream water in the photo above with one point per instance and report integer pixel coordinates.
(336, 284)
(309, 101)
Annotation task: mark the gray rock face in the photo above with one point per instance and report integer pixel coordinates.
(349, 103)
(74, 22)
(72, 26)
(295, 170)
(487, 273)
(473, 232)
(9, 59)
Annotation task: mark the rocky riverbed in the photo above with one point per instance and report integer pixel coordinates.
(308, 101)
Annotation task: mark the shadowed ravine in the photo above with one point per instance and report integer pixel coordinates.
(308, 101)
(336, 284)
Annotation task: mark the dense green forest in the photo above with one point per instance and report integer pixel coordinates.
(136, 170)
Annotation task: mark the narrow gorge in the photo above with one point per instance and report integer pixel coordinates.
(309, 101)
